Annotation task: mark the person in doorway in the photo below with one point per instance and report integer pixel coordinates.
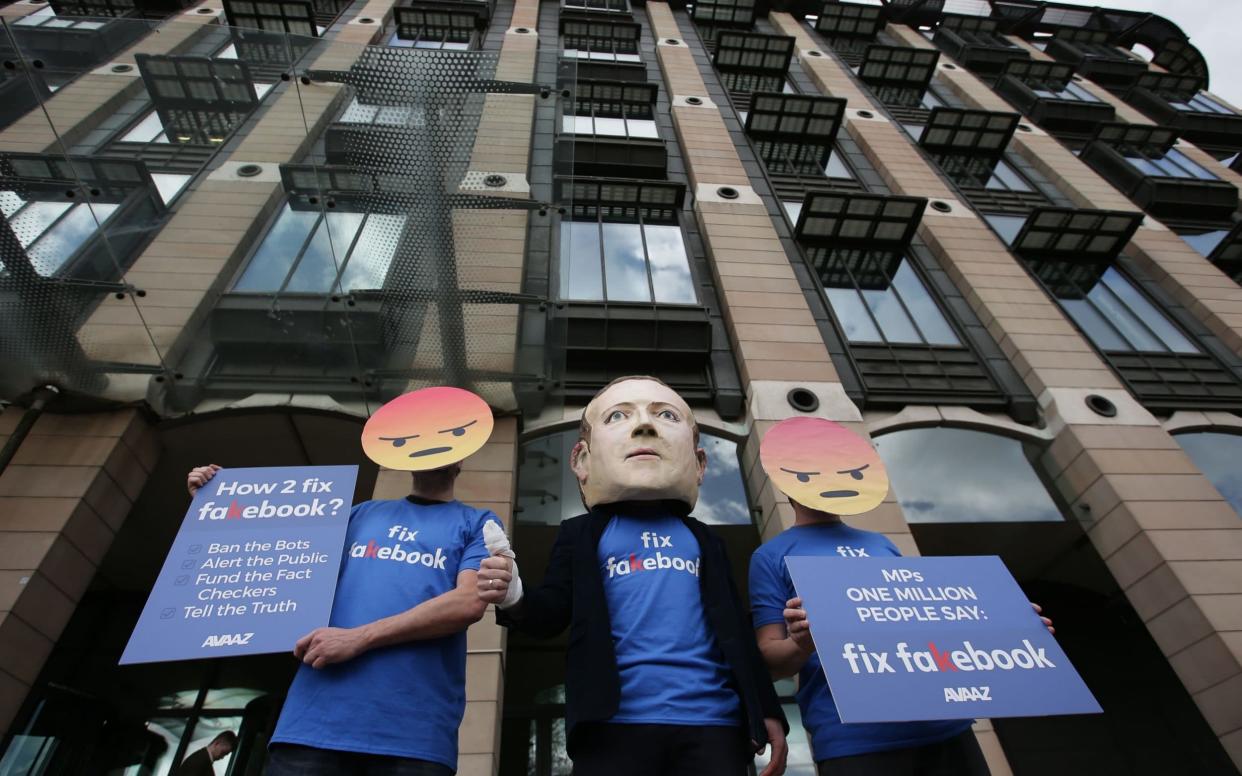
(664, 677)
(821, 463)
(200, 762)
(381, 690)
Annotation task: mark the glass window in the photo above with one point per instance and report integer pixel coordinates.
(306, 252)
(879, 297)
(548, 490)
(1217, 456)
(1072, 91)
(793, 209)
(953, 475)
(52, 231)
(440, 39)
(610, 126)
(1201, 103)
(1169, 164)
(169, 185)
(148, 130)
(1205, 242)
(625, 262)
(1112, 312)
(1007, 227)
(836, 167)
(1006, 178)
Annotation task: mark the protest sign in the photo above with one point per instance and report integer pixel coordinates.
(904, 639)
(253, 567)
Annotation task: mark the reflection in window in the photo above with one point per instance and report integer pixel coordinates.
(439, 39)
(1217, 456)
(1204, 242)
(52, 231)
(384, 115)
(1007, 227)
(169, 185)
(548, 490)
(1110, 309)
(47, 19)
(953, 475)
(1072, 91)
(625, 262)
(1201, 103)
(306, 251)
(1167, 164)
(610, 126)
(879, 297)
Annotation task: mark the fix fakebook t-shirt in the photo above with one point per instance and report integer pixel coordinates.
(771, 587)
(672, 671)
(405, 700)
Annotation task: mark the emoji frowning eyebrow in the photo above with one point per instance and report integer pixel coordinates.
(802, 476)
(458, 430)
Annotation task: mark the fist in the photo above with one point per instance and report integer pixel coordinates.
(799, 629)
(495, 574)
(200, 476)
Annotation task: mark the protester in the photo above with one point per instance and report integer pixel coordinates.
(381, 690)
(664, 677)
(826, 465)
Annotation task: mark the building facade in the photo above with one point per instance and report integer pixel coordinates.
(1000, 237)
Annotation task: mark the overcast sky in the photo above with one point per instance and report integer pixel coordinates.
(1212, 26)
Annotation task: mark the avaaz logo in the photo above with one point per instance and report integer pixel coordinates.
(228, 640)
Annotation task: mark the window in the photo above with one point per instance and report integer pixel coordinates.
(433, 29)
(310, 252)
(750, 62)
(625, 262)
(1071, 91)
(1110, 309)
(52, 231)
(1205, 242)
(548, 490)
(794, 134)
(1217, 456)
(1201, 103)
(953, 475)
(1169, 163)
(879, 297)
(613, 109)
(600, 41)
(384, 115)
(1221, 246)
(900, 76)
(47, 19)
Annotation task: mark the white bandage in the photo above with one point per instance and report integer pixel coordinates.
(498, 544)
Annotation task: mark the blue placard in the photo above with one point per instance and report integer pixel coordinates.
(904, 639)
(253, 568)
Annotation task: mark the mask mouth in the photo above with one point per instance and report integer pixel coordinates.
(430, 451)
(642, 451)
(838, 494)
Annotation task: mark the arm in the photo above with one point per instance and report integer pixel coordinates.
(444, 615)
(543, 611)
(784, 655)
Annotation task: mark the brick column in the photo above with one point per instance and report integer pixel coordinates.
(62, 500)
(1171, 542)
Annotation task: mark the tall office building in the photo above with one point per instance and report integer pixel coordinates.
(1000, 238)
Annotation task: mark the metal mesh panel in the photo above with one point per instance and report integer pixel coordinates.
(131, 271)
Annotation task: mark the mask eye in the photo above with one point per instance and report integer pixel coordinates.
(459, 430)
(802, 476)
(398, 441)
(856, 474)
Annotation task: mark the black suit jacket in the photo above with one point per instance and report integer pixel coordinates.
(572, 594)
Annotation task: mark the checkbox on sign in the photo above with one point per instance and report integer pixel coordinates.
(183, 579)
(194, 549)
(167, 614)
(189, 564)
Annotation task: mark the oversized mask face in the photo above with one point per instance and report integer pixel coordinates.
(641, 447)
(427, 429)
(823, 465)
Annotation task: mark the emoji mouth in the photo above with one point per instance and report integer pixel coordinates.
(430, 451)
(838, 494)
(642, 452)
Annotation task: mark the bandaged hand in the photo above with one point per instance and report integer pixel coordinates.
(499, 582)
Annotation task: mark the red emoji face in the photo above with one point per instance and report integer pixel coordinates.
(427, 429)
(824, 465)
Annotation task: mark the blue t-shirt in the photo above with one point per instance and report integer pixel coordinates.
(404, 700)
(672, 670)
(771, 587)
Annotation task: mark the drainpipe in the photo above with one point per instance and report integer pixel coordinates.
(41, 397)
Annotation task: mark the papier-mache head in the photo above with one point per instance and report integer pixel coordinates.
(638, 442)
(823, 465)
(427, 429)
